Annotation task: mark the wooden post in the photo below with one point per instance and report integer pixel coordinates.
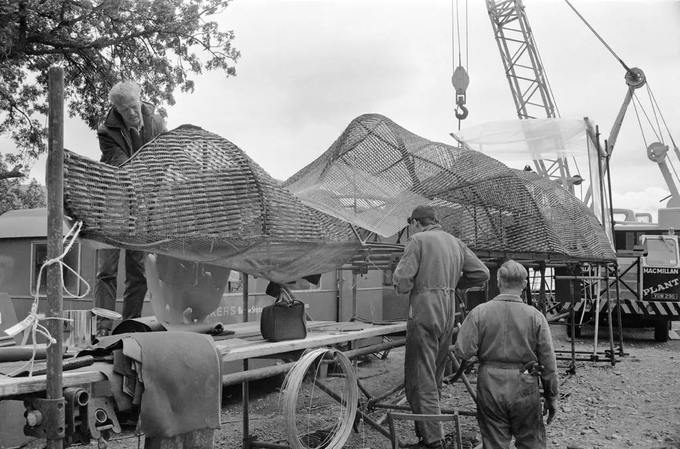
(55, 234)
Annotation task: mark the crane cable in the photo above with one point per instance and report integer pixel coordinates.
(659, 134)
(460, 78)
(655, 105)
(600, 38)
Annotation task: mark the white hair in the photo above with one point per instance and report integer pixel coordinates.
(123, 91)
(512, 274)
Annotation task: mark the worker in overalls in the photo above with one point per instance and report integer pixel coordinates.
(434, 264)
(513, 343)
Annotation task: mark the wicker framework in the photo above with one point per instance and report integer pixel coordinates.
(376, 172)
(196, 196)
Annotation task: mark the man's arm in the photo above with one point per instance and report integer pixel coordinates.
(158, 125)
(474, 271)
(112, 153)
(467, 341)
(546, 357)
(407, 268)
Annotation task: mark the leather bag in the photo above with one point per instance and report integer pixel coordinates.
(284, 320)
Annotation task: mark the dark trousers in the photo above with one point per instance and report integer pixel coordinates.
(424, 365)
(106, 283)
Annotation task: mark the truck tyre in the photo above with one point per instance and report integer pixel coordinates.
(661, 331)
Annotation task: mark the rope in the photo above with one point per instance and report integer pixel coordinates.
(637, 115)
(663, 119)
(31, 324)
(656, 129)
(291, 391)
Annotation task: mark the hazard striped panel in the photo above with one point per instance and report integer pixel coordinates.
(632, 307)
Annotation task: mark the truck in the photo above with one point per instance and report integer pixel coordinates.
(648, 276)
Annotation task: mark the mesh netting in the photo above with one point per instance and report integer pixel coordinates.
(376, 172)
(196, 196)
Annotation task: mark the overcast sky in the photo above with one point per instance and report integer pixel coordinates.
(308, 68)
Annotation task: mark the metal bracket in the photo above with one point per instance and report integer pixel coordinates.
(44, 418)
(100, 416)
(76, 402)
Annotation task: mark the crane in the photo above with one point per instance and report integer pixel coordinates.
(533, 98)
(527, 79)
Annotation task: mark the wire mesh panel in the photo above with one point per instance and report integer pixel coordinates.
(196, 196)
(376, 172)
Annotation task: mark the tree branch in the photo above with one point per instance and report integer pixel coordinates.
(15, 173)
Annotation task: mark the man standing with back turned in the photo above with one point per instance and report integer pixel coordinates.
(129, 125)
(434, 264)
(513, 343)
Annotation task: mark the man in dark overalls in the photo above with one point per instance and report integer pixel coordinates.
(434, 264)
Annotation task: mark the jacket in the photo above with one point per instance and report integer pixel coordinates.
(505, 330)
(114, 136)
(435, 260)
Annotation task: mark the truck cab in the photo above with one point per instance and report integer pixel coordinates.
(649, 270)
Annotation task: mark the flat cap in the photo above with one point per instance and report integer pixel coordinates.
(424, 212)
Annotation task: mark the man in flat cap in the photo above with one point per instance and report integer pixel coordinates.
(433, 266)
(513, 343)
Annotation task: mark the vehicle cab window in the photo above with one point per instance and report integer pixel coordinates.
(661, 251)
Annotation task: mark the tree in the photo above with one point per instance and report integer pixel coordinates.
(13, 195)
(98, 43)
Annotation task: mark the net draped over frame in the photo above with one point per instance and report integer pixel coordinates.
(376, 172)
(194, 195)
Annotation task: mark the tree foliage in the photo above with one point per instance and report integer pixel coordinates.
(157, 43)
(13, 195)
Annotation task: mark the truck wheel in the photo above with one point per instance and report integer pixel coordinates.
(661, 331)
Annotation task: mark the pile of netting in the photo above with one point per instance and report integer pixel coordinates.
(196, 196)
(376, 172)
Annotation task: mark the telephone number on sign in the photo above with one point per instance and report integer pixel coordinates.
(666, 296)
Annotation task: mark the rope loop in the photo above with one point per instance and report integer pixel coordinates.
(31, 324)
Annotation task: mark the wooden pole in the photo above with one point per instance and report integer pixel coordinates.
(55, 234)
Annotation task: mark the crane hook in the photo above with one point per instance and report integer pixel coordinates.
(460, 81)
(462, 115)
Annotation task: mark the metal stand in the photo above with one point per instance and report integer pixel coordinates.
(607, 355)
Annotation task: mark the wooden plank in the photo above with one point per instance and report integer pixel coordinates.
(252, 329)
(320, 338)
(320, 334)
(12, 386)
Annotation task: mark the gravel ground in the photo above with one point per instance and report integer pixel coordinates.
(635, 403)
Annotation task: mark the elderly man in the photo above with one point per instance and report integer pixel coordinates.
(511, 340)
(129, 124)
(434, 264)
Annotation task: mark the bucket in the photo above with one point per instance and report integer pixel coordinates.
(82, 326)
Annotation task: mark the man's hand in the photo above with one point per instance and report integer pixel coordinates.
(550, 409)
